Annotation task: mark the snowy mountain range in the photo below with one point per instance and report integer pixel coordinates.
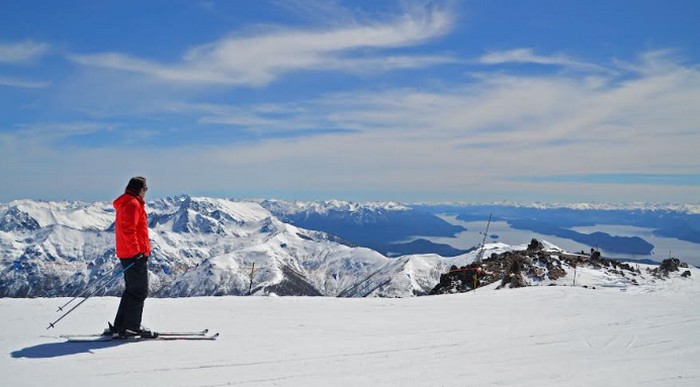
(684, 208)
(208, 246)
(386, 227)
(632, 231)
(201, 246)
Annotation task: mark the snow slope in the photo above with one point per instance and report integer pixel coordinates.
(535, 336)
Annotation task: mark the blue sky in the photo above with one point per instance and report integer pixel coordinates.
(358, 100)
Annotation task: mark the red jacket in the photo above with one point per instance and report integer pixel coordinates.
(131, 226)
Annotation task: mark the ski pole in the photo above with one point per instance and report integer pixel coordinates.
(99, 280)
(157, 292)
(51, 325)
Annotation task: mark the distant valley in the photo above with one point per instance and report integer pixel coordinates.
(643, 232)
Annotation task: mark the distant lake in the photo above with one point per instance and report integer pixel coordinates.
(685, 251)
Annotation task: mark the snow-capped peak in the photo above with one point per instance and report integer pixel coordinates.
(324, 207)
(78, 215)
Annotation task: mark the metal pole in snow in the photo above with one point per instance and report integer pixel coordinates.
(252, 271)
(480, 254)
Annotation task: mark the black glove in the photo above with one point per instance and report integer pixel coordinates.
(141, 257)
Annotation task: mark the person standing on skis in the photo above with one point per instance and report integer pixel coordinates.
(133, 250)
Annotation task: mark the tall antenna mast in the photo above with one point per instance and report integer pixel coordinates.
(480, 255)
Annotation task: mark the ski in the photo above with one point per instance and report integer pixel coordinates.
(203, 332)
(173, 337)
(106, 333)
(96, 339)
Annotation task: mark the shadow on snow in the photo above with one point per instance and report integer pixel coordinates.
(64, 348)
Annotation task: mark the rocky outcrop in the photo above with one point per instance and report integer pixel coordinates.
(459, 280)
(535, 265)
(513, 269)
(535, 246)
(669, 266)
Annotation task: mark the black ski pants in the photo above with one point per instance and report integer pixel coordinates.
(131, 305)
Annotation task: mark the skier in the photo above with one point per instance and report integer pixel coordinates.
(133, 248)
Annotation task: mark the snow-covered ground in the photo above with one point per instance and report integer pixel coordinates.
(537, 336)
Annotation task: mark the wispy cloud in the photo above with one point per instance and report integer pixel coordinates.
(22, 52)
(48, 134)
(643, 120)
(498, 130)
(23, 83)
(643, 123)
(528, 56)
(259, 58)
(524, 55)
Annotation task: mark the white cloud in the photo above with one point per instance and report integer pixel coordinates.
(478, 139)
(523, 55)
(22, 83)
(22, 52)
(47, 134)
(527, 56)
(260, 58)
(500, 128)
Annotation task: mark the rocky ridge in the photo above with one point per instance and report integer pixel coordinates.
(540, 265)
